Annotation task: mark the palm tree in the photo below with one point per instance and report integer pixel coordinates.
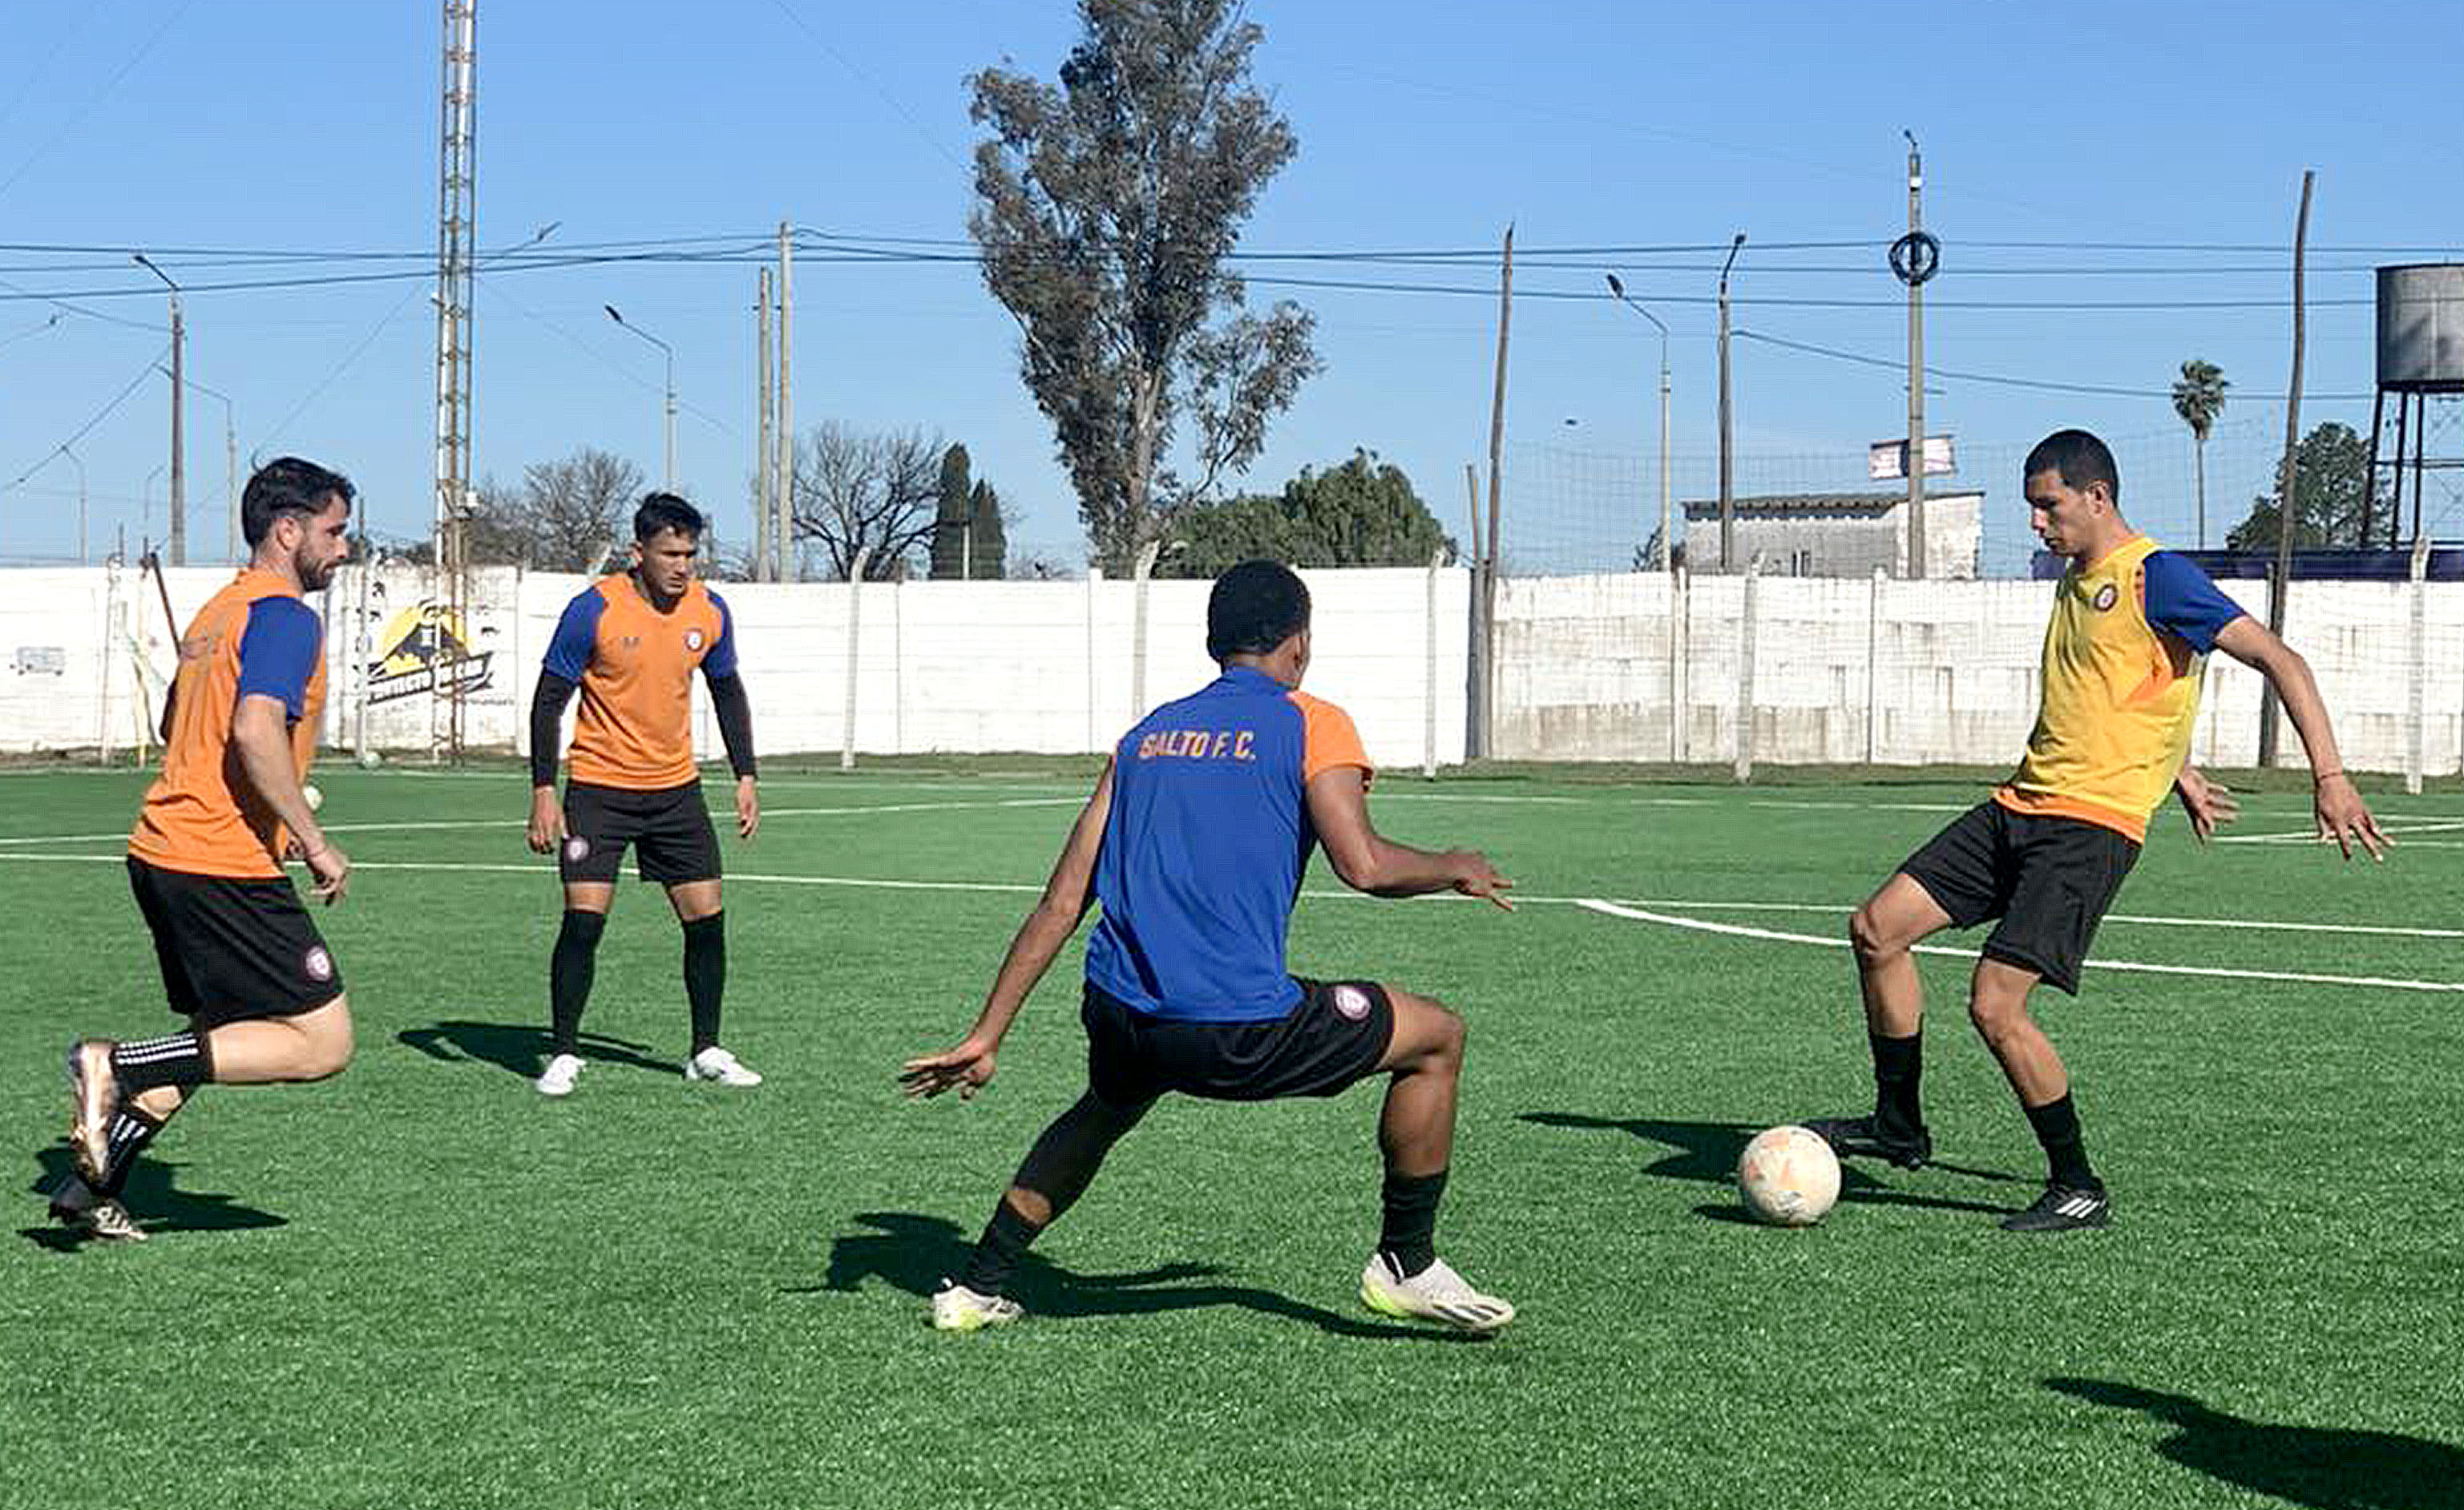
(2199, 397)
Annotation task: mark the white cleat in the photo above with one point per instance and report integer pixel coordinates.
(1436, 1293)
(557, 1079)
(956, 1308)
(716, 1063)
(76, 1206)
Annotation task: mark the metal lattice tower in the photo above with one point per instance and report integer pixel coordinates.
(456, 170)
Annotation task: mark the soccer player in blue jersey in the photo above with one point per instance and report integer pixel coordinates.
(1194, 843)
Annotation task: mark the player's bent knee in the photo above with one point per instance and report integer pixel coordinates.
(329, 1040)
(1428, 1035)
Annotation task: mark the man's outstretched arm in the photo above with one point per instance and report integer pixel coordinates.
(2343, 817)
(1367, 861)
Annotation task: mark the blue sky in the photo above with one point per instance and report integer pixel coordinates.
(174, 124)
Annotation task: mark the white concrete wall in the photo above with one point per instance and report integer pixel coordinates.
(1922, 674)
(1843, 670)
(1040, 667)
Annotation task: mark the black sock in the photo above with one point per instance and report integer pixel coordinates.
(131, 1131)
(997, 1252)
(178, 1059)
(705, 976)
(2058, 1128)
(569, 973)
(1409, 1235)
(1899, 1063)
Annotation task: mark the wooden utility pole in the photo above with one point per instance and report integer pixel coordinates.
(2288, 492)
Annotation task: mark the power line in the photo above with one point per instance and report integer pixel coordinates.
(2002, 380)
(102, 414)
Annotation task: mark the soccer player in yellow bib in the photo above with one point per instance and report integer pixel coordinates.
(2046, 853)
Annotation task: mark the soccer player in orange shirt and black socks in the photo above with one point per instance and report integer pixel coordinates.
(630, 643)
(240, 959)
(2047, 852)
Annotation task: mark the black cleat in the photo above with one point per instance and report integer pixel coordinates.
(1864, 1138)
(2063, 1208)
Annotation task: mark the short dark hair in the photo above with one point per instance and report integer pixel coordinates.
(665, 511)
(1254, 607)
(2079, 456)
(288, 485)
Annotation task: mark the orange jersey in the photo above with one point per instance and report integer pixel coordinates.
(254, 638)
(634, 665)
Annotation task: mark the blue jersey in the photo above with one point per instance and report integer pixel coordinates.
(1208, 836)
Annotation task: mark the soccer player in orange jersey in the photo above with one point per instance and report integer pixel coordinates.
(241, 958)
(631, 644)
(2047, 852)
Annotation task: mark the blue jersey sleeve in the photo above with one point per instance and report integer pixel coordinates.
(722, 660)
(278, 650)
(2182, 602)
(577, 635)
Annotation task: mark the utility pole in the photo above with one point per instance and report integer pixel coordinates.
(456, 173)
(1916, 467)
(782, 532)
(179, 393)
(1727, 488)
(767, 450)
(1496, 478)
(2288, 492)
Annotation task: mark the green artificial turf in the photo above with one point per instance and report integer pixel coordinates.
(422, 1284)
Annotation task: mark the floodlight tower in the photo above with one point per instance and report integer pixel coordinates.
(457, 168)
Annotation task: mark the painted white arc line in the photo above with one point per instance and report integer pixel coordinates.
(1774, 935)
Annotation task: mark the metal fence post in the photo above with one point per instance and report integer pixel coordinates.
(1873, 660)
(2416, 731)
(855, 613)
(1429, 684)
(1744, 760)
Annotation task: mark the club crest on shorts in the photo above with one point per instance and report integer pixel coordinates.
(577, 849)
(692, 639)
(318, 964)
(2107, 597)
(1350, 1001)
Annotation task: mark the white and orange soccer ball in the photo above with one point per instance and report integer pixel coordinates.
(1788, 1176)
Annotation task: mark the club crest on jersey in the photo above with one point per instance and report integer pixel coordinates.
(692, 639)
(1350, 1001)
(577, 849)
(2107, 597)
(318, 964)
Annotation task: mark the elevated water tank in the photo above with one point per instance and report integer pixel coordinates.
(2421, 327)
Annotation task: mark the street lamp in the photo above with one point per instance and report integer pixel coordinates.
(1728, 491)
(1667, 531)
(671, 354)
(230, 464)
(179, 471)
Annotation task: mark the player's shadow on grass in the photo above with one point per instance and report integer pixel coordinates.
(2305, 1465)
(150, 1198)
(1707, 1151)
(523, 1049)
(915, 1253)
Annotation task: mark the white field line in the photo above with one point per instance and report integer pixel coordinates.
(1739, 931)
(2310, 836)
(1841, 910)
(768, 814)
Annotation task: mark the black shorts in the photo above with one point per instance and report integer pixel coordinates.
(2048, 879)
(233, 948)
(1333, 1038)
(669, 829)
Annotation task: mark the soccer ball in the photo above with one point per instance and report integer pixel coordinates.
(370, 758)
(1787, 1176)
(312, 796)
